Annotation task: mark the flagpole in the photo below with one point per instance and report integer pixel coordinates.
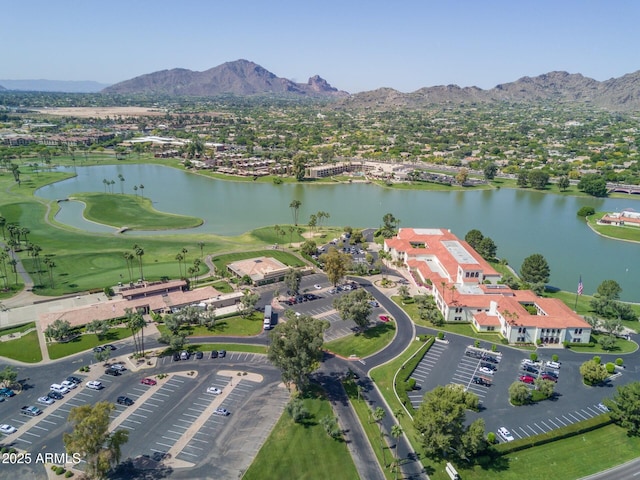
(578, 293)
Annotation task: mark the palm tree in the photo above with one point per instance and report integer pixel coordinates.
(378, 415)
(139, 253)
(3, 259)
(128, 256)
(136, 322)
(3, 222)
(201, 245)
(396, 432)
(135, 190)
(295, 207)
(121, 178)
(51, 265)
(141, 190)
(180, 258)
(184, 254)
(105, 182)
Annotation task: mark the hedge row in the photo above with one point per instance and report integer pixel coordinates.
(558, 434)
(408, 368)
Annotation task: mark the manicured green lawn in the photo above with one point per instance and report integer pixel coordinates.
(24, 349)
(303, 452)
(132, 211)
(86, 342)
(235, 326)
(628, 233)
(363, 344)
(621, 346)
(21, 328)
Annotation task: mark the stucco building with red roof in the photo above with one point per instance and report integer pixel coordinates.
(466, 289)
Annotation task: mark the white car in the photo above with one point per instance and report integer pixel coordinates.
(118, 366)
(69, 385)
(317, 287)
(554, 365)
(603, 407)
(505, 434)
(223, 412)
(485, 370)
(56, 387)
(45, 400)
(7, 429)
(214, 390)
(94, 385)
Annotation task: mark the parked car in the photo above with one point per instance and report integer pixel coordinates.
(489, 358)
(505, 434)
(490, 366)
(222, 353)
(119, 366)
(317, 287)
(374, 304)
(56, 387)
(184, 355)
(481, 381)
(55, 395)
(7, 429)
(176, 357)
(122, 400)
(95, 385)
(98, 349)
(526, 379)
(45, 400)
(108, 346)
(6, 392)
(384, 318)
(68, 384)
(222, 412)
(214, 354)
(214, 390)
(73, 379)
(603, 407)
(113, 372)
(551, 373)
(530, 369)
(199, 355)
(554, 365)
(148, 381)
(30, 411)
(485, 370)
(551, 378)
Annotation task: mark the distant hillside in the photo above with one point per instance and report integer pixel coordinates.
(240, 77)
(615, 94)
(67, 86)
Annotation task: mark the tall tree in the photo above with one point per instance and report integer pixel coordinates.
(473, 238)
(128, 257)
(490, 170)
(335, 265)
(295, 210)
(354, 306)
(292, 280)
(396, 433)
(535, 269)
(90, 438)
(296, 348)
(378, 415)
(624, 407)
(139, 251)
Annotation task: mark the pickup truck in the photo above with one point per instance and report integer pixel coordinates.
(30, 411)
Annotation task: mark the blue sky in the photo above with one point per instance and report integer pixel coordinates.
(355, 46)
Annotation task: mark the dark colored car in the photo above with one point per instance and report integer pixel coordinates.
(113, 372)
(73, 379)
(551, 378)
(530, 369)
(108, 346)
(176, 357)
(489, 358)
(199, 355)
(490, 366)
(214, 354)
(481, 381)
(222, 353)
(7, 392)
(55, 395)
(122, 400)
(98, 349)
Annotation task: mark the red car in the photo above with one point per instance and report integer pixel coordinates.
(549, 377)
(526, 379)
(384, 318)
(148, 381)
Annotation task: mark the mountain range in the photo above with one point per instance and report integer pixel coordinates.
(67, 86)
(245, 78)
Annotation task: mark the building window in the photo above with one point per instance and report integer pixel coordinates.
(457, 318)
(466, 274)
(524, 329)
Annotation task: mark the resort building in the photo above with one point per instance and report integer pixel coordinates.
(625, 217)
(466, 289)
(261, 270)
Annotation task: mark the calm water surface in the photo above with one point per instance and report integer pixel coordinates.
(520, 222)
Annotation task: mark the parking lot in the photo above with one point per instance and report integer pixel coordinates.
(454, 363)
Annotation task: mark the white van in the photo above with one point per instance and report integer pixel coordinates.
(267, 317)
(554, 365)
(61, 389)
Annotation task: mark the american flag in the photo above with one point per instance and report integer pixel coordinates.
(580, 286)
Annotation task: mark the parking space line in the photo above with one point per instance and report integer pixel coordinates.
(198, 440)
(152, 404)
(139, 415)
(133, 421)
(177, 433)
(539, 428)
(164, 444)
(193, 446)
(172, 439)
(159, 451)
(524, 432)
(554, 423)
(41, 428)
(48, 421)
(587, 413)
(189, 415)
(33, 434)
(163, 394)
(54, 415)
(190, 454)
(579, 414)
(542, 422)
(575, 419)
(145, 409)
(23, 440)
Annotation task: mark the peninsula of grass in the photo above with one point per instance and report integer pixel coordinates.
(85, 342)
(363, 344)
(24, 349)
(131, 211)
(236, 326)
(627, 233)
(304, 451)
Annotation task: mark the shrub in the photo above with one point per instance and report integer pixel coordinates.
(610, 367)
(539, 341)
(597, 359)
(440, 335)
(586, 211)
(491, 438)
(60, 470)
(619, 362)
(533, 357)
(3, 450)
(494, 347)
(69, 474)
(555, 357)
(476, 344)
(54, 468)
(411, 384)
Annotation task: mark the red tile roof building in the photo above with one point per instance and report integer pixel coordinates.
(466, 289)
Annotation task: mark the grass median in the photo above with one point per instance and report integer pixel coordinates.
(24, 349)
(363, 344)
